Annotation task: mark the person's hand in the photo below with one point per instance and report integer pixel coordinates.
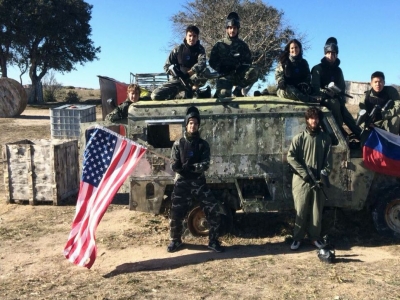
(177, 166)
(186, 167)
(282, 85)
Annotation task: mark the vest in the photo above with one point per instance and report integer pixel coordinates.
(190, 152)
(377, 99)
(296, 72)
(187, 56)
(329, 74)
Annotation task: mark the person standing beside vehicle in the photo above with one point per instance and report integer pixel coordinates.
(293, 74)
(310, 151)
(190, 158)
(188, 60)
(379, 94)
(231, 57)
(329, 71)
(121, 112)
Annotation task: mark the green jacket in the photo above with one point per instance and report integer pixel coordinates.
(310, 150)
(120, 112)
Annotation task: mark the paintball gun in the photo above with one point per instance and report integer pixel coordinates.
(318, 184)
(184, 78)
(368, 119)
(332, 91)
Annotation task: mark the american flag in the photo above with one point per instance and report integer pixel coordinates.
(109, 158)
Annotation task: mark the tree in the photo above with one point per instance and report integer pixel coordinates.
(262, 27)
(47, 34)
(50, 86)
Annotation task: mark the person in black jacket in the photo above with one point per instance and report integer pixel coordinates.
(190, 157)
(293, 74)
(188, 60)
(329, 71)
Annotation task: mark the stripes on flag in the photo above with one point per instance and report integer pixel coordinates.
(381, 152)
(109, 158)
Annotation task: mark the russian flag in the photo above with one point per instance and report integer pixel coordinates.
(381, 152)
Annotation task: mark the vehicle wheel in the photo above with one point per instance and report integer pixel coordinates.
(197, 222)
(386, 214)
(198, 225)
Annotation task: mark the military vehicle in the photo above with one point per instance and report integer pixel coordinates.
(249, 139)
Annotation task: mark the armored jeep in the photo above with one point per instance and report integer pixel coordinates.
(249, 139)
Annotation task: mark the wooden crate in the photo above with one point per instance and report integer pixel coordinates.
(41, 171)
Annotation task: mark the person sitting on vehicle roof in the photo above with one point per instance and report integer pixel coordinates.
(231, 57)
(184, 64)
(121, 112)
(379, 94)
(293, 74)
(329, 71)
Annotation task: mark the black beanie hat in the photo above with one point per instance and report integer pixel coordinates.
(192, 112)
(331, 45)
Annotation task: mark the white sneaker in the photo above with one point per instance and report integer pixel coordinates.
(295, 245)
(318, 244)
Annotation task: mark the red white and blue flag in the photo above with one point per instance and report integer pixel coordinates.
(109, 158)
(381, 152)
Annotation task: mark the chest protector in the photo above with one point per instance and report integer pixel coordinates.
(329, 75)
(376, 99)
(187, 57)
(296, 72)
(190, 150)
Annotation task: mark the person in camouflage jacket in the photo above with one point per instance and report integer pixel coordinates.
(121, 112)
(190, 158)
(293, 74)
(189, 59)
(232, 57)
(379, 94)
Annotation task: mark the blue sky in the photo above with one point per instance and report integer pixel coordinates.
(135, 36)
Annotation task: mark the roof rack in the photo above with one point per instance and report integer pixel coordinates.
(149, 81)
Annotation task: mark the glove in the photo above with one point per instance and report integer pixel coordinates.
(307, 179)
(186, 167)
(177, 166)
(185, 76)
(282, 85)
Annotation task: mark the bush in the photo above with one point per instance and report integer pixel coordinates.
(48, 96)
(72, 97)
(70, 87)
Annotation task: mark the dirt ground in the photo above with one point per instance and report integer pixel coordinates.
(133, 263)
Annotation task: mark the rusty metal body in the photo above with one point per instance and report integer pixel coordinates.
(249, 140)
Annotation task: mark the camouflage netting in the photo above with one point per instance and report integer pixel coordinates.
(13, 98)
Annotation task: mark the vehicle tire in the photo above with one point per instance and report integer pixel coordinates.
(386, 213)
(198, 225)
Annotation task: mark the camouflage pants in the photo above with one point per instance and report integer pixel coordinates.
(244, 78)
(182, 201)
(308, 204)
(171, 89)
(291, 92)
(341, 114)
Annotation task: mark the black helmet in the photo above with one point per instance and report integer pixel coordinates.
(232, 20)
(331, 45)
(192, 112)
